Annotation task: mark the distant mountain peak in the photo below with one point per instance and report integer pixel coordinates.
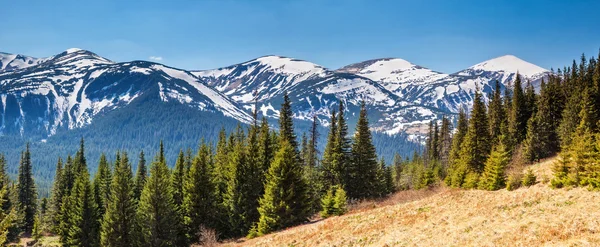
(73, 50)
(510, 64)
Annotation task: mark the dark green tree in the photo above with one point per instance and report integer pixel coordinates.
(200, 201)
(363, 168)
(157, 213)
(285, 202)
(119, 225)
(140, 176)
(27, 195)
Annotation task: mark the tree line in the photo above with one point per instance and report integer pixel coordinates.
(251, 182)
(490, 146)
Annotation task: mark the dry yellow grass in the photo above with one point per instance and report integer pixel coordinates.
(534, 216)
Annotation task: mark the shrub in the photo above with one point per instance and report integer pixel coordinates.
(529, 179)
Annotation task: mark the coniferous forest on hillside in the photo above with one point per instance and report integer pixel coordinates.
(255, 180)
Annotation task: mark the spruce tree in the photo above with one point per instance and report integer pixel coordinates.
(7, 216)
(157, 213)
(177, 179)
(285, 201)
(101, 186)
(476, 146)
(27, 195)
(496, 113)
(200, 200)
(83, 223)
(140, 176)
(493, 176)
(518, 113)
(329, 175)
(363, 171)
(119, 225)
(342, 149)
(243, 190)
(456, 171)
(56, 197)
(397, 170)
(265, 149)
(286, 124)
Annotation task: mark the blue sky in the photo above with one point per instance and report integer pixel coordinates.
(444, 35)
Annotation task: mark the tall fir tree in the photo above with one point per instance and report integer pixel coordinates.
(285, 201)
(157, 213)
(200, 201)
(493, 176)
(119, 224)
(363, 170)
(7, 216)
(286, 123)
(329, 174)
(342, 148)
(518, 113)
(83, 220)
(101, 186)
(243, 191)
(496, 113)
(27, 195)
(56, 197)
(456, 172)
(141, 176)
(177, 179)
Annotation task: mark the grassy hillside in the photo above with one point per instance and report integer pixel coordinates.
(534, 216)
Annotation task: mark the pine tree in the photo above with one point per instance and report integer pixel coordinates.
(340, 201)
(7, 216)
(456, 172)
(397, 171)
(313, 151)
(548, 116)
(445, 145)
(519, 112)
(265, 150)
(177, 179)
(200, 199)
(284, 202)
(140, 177)
(476, 146)
(533, 143)
(493, 176)
(286, 124)
(496, 113)
(83, 224)
(243, 191)
(157, 212)
(219, 178)
(328, 204)
(118, 224)
(363, 171)
(101, 186)
(330, 176)
(342, 148)
(27, 195)
(56, 197)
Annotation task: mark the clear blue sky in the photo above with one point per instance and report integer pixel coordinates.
(444, 35)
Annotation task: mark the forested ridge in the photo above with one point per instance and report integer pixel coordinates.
(256, 180)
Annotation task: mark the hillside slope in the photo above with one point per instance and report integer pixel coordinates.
(534, 216)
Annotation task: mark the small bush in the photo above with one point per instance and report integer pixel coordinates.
(334, 202)
(328, 204)
(340, 201)
(471, 180)
(529, 179)
(513, 182)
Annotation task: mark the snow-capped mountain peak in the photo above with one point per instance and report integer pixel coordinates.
(290, 66)
(394, 74)
(509, 64)
(16, 61)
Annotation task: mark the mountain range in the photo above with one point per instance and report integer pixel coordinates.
(40, 96)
